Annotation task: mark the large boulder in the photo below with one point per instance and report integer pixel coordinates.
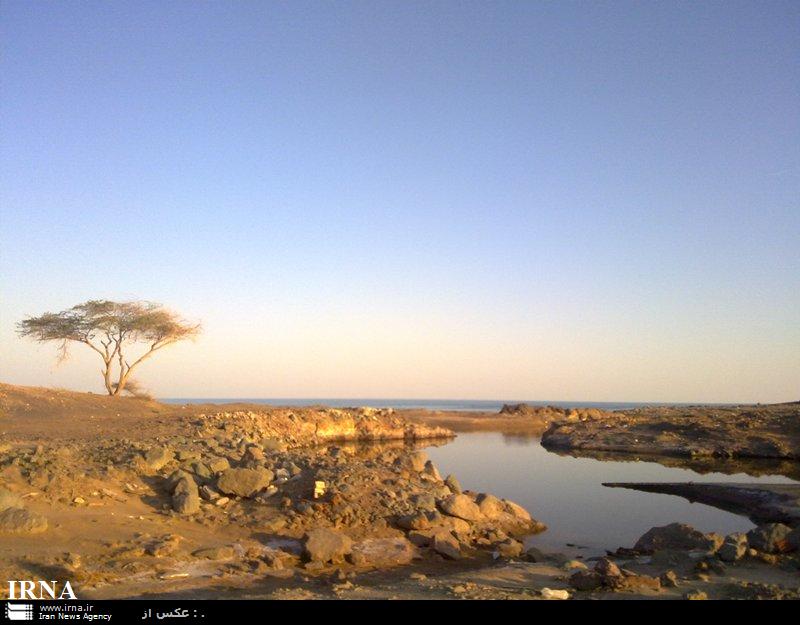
(462, 507)
(770, 538)
(327, 545)
(21, 521)
(676, 536)
(244, 482)
(186, 497)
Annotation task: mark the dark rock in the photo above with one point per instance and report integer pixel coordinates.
(244, 482)
(186, 498)
(585, 580)
(734, 548)
(676, 536)
(770, 538)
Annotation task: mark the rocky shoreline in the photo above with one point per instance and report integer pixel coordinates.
(768, 431)
(256, 502)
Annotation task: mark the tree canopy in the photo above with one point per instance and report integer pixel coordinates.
(110, 329)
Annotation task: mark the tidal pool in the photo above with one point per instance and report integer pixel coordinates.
(567, 493)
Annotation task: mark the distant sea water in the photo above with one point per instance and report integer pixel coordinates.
(465, 405)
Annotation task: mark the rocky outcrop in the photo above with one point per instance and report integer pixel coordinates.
(770, 431)
(317, 426)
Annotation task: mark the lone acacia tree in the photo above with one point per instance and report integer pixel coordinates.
(110, 329)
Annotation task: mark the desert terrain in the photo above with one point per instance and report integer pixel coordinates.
(131, 498)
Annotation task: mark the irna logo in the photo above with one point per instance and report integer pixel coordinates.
(26, 589)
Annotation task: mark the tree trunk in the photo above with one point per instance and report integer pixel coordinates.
(107, 378)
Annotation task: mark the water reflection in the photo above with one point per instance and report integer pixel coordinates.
(566, 491)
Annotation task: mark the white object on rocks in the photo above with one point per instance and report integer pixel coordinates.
(549, 593)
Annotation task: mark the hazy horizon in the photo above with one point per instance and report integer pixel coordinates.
(578, 201)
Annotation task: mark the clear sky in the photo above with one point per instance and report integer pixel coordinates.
(527, 200)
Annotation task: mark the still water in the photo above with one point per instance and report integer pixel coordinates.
(567, 493)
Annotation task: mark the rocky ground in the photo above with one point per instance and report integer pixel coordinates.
(132, 498)
(768, 431)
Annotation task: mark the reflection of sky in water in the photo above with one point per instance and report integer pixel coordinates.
(567, 493)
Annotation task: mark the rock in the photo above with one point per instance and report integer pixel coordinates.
(549, 593)
(695, 595)
(416, 521)
(734, 548)
(421, 538)
(327, 545)
(417, 461)
(163, 546)
(186, 498)
(669, 579)
(516, 510)
(490, 506)
(273, 445)
(571, 565)
(445, 544)
(509, 548)
(382, 552)
(432, 471)
(208, 493)
(157, 457)
(244, 482)
(452, 483)
(423, 501)
(21, 521)
(635, 583)
(607, 568)
(585, 580)
(218, 465)
(254, 453)
(770, 538)
(215, 553)
(793, 539)
(9, 499)
(461, 506)
(676, 536)
(173, 478)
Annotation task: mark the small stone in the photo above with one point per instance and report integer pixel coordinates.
(669, 579)
(549, 593)
(695, 595)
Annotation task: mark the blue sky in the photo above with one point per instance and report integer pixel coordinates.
(564, 200)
